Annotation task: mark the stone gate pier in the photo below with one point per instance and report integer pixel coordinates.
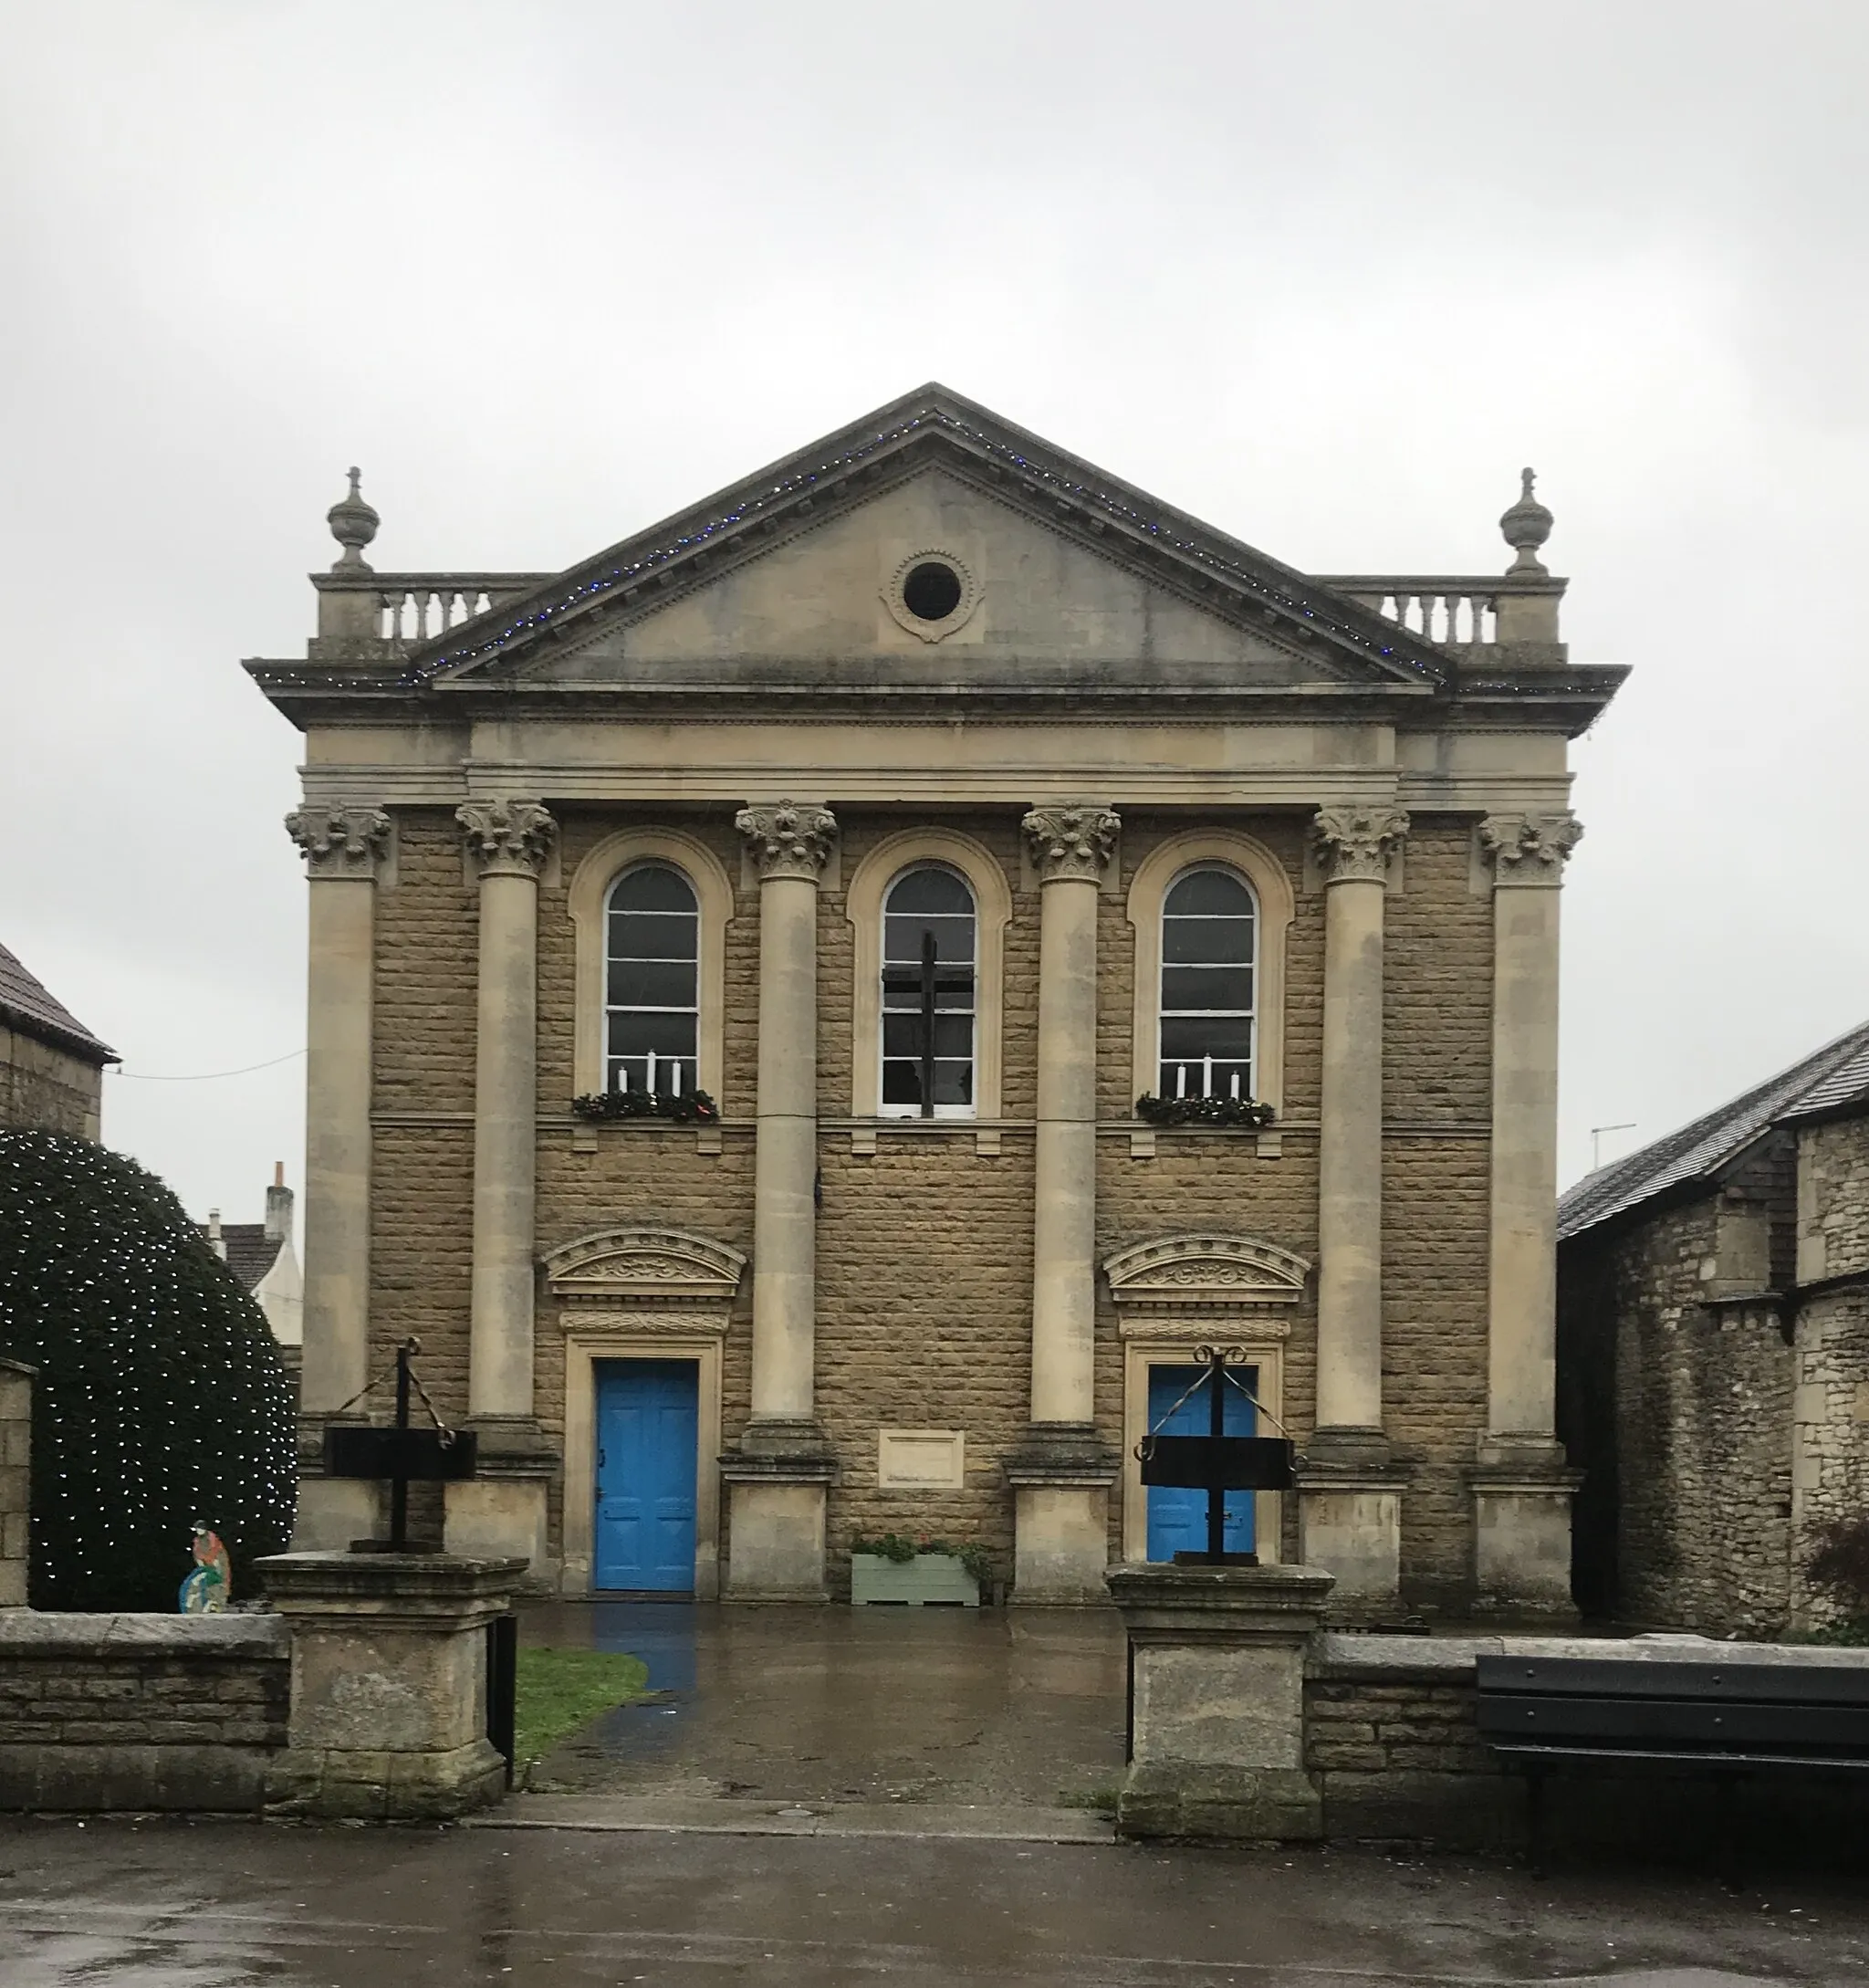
(389, 1717)
(1217, 1700)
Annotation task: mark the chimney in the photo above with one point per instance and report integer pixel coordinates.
(216, 1242)
(279, 1205)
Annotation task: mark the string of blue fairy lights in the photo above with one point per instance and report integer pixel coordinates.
(589, 585)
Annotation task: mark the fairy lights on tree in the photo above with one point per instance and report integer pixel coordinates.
(160, 1397)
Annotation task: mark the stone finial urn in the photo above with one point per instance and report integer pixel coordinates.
(353, 524)
(1526, 526)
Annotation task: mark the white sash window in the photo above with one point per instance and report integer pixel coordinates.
(652, 981)
(928, 997)
(1209, 961)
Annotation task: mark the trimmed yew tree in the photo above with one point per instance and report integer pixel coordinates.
(160, 1397)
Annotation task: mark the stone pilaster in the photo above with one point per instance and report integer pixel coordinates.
(345, 849)
(1521, 1484)
(777, 1474)
(1350, 1498)
(17, 1380)
(1061, 1473)
(501, 1513)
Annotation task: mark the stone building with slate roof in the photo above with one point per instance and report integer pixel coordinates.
(1713, 1353)
(1093, 938)
(262, 1256)
(51, 1065)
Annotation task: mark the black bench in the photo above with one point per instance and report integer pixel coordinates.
(1716, 1715)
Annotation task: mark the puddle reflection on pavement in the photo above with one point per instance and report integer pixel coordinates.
(237, 1905)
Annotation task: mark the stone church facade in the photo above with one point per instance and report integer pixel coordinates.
(926, 800)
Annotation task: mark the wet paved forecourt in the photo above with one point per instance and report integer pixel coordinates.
(938, 1705)
(174, 1905)
(906, 1770)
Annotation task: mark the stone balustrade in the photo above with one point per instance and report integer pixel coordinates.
(402, 610)
(1473, 611)
(1482, 609)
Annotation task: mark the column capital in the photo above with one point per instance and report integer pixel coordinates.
(1529, 849)
(507, 837)
(1354, 843)
(1071, 842)
(786, 838)
(348, 842)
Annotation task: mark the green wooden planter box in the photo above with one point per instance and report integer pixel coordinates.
(929, 1579)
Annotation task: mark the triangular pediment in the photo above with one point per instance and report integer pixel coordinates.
(1059, 576)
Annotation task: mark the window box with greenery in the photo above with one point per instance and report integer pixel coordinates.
(1238, 1114)
(918, 1572)
(677, 1107)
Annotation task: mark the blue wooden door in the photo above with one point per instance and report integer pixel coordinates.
(1177, 1518)
(647, 1413)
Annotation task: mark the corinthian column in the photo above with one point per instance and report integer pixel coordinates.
(1350, 1506)
(1062, 1472)
(779, 1474)
(1521, 1484)
(344, 850)
(502, 1512)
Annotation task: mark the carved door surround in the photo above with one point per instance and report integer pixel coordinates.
(1175, 1293)
(641, 1290)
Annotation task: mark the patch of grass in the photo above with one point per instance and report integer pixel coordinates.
(561, 1689)
(1101, 1800)
(1851, 1633)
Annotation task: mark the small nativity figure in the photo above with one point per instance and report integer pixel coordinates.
(210, 1581)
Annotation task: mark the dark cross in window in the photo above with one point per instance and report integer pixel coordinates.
(926, 982)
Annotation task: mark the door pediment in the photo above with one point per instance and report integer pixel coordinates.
(645, 1264)
(1206, 1272)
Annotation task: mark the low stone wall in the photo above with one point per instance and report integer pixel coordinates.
(140, 1711)
(1391, 1731)
(1391, 1736)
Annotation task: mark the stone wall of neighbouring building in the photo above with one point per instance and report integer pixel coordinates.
(1831, 1408)
(1677, 1399)
(44, 1088)
(1714, 1385)
(140, 1711)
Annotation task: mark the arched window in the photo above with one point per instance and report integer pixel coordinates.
(652, 981)
(928, 953)
(1209, 952)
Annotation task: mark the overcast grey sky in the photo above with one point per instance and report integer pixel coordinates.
(1325, 275)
